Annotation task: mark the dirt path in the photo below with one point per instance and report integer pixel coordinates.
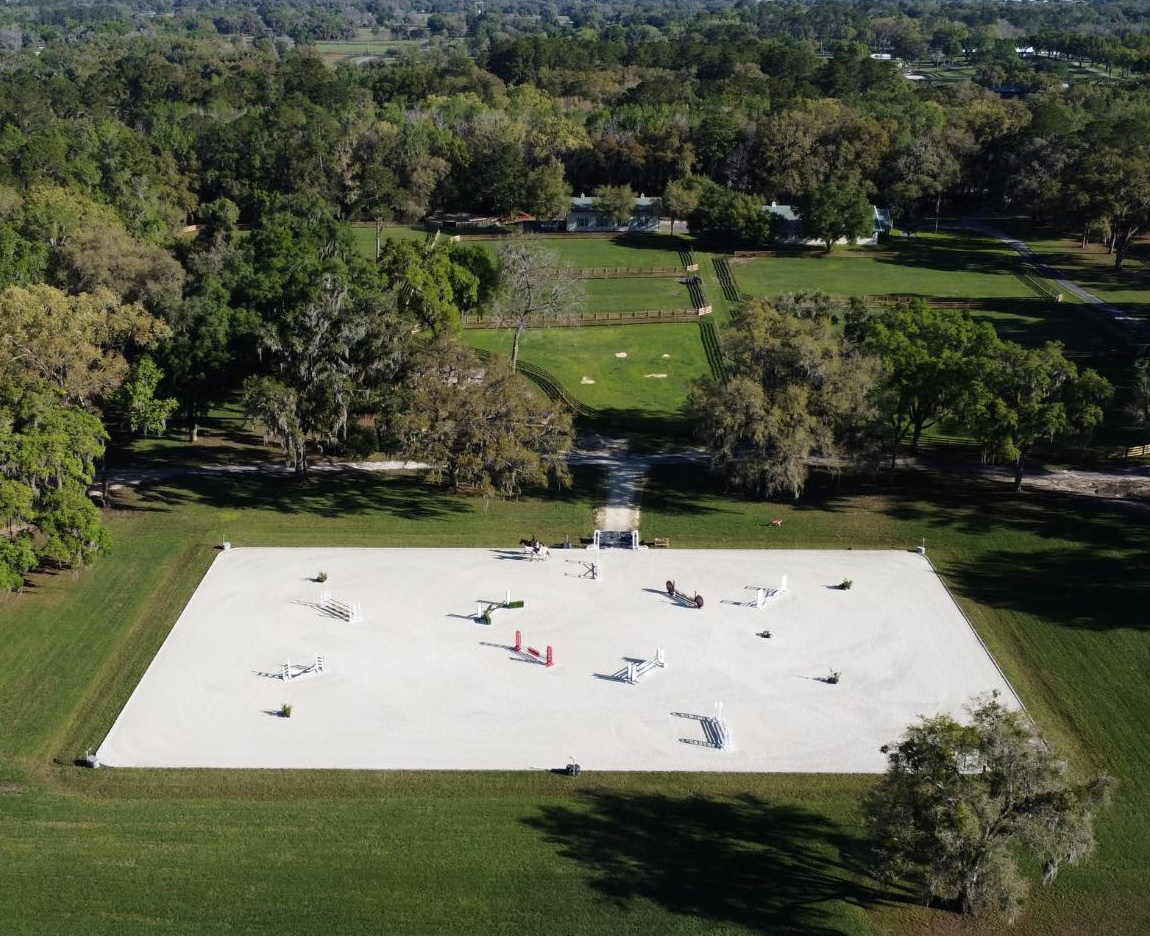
(625, 475)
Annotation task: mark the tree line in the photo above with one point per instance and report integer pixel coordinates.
(802, 383)
(118, 129)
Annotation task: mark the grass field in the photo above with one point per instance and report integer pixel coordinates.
(577, 252)
(649, 250)
(364, 236)
(956, 266)
(635, 294)
(622, 387)
(1092, 268)
(945, 265)
(1054, 586)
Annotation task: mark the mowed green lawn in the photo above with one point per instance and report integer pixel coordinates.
(648, 250)
(587, 363)
(574, 251)
(950, 265)
(634, 295)
(943, 266)
(1092, 267)
(1054, 586)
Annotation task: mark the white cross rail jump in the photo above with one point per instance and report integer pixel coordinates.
(290, 671)
(591, 570)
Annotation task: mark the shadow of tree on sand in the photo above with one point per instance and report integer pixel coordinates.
(744, 861)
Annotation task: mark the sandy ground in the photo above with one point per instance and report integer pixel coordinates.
(420, 684)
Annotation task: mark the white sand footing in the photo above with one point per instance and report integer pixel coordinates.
(419, 684)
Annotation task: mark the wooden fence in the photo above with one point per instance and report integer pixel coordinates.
(1138, 451)
(640, 317)
(633, 272)
(815, 252)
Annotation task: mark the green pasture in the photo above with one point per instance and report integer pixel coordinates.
(1092, 267)
(634, 294)
(1036, 321)
(650, 250)
(364, 236)
(944, 266)
(949, 265)
(623, 387)
(654, 250)
(1055, 588)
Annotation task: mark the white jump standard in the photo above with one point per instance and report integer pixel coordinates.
(288, 671)
(338, 608)
(763, 595)
(635, 671)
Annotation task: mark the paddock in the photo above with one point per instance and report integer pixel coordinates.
(418, 682)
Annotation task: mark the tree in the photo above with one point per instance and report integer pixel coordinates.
(77, 342)
(71, 523)
(143, 411)
(202, 355)
(21, 261)
(1114, 187)
(1139, 405)
(482, 429)
(836, 211)
(1026, 395)
(16, 499)
(17, 557)
(108, 256)
(721, 211)
(923, 169)
(615, 203)
(535, 291)
(959, 802)
(48, 450)
(429, 283)
(929, 359)
(680, 198)
(322, 331)
(797, 389)
(546, 194)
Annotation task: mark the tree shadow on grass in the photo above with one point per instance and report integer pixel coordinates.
(326, 495)
(970, 253)
(335, 494)
(973, 505)
(744, 861)
(676, 489)
(1078, 589)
